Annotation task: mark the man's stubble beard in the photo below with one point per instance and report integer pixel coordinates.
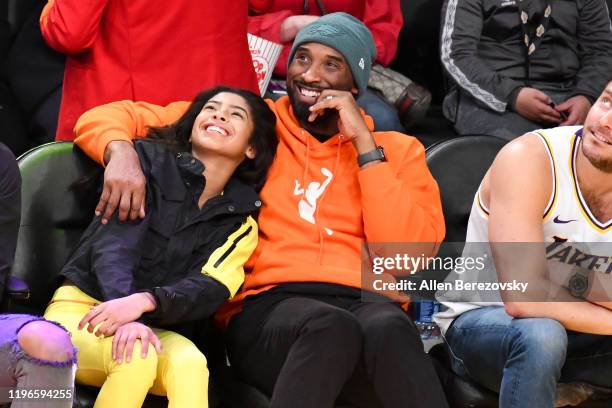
(324, 125)
(597, 161)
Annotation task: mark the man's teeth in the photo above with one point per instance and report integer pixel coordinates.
(601, 139)
(309, 93)
(217, 129)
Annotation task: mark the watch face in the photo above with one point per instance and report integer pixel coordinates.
(578, 285)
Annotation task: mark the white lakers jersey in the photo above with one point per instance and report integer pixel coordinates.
(567, 218)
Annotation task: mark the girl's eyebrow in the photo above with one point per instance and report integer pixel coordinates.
(231, 106)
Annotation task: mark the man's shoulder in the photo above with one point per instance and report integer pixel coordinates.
(522, 165)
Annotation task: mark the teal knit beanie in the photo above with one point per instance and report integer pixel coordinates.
(347, 35)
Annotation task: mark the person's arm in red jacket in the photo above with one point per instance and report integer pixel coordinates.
(384, 19)
(71, 26)
(268, 26)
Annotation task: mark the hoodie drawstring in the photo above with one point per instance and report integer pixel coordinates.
(305, 173)
(316, 215)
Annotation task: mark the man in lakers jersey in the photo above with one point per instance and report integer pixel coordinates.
(554, 187)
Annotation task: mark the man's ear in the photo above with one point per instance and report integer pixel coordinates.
(250, 152)
(354, 91)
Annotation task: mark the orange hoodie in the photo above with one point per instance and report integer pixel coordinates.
(319, 206)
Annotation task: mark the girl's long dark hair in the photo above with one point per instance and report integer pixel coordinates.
(263, 139)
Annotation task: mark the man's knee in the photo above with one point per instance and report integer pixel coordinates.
(46, 341)
(386, 324)
(337, 330)
(336, 321)
(542, 341)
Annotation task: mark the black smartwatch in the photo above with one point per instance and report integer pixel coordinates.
(376, 154)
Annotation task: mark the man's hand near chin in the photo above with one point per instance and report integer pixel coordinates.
(124, 183)
(350, 122)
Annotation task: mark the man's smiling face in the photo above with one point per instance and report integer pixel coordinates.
(597, 135)
(316, 67)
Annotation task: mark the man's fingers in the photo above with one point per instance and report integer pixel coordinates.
(563, 106)
(549, 114)
(111, 205)
(313, 116)
(124, 205)
(572, 119)
(549, 119)
(541, 96)
(137, 206)
(103, 200)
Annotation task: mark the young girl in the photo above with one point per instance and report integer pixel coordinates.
(125, 281)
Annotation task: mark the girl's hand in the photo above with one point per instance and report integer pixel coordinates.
(117, 312)
(125, 337)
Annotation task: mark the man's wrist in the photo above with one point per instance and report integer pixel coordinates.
(513, 97)
(364, 144)
(116, 147)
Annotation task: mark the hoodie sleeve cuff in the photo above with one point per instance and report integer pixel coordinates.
(95, 147)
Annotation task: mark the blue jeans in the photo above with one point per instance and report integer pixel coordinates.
(523, 359)
(384, 114)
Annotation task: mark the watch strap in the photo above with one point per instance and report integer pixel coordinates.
(373, 155)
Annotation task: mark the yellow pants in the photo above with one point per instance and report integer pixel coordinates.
(178, 372)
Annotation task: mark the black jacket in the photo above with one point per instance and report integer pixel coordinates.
(482, 49)
(191, 260)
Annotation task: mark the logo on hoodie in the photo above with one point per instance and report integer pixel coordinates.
(307, 206)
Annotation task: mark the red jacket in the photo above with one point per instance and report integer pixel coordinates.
(382, 17)
(148, 50)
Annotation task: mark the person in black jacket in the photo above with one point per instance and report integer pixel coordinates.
(126, 281)
(517, 66)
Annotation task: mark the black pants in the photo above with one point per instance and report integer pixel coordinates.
(315, 351)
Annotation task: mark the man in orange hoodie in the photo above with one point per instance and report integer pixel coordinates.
(298, 329)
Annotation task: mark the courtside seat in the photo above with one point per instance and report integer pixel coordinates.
(459, 165)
